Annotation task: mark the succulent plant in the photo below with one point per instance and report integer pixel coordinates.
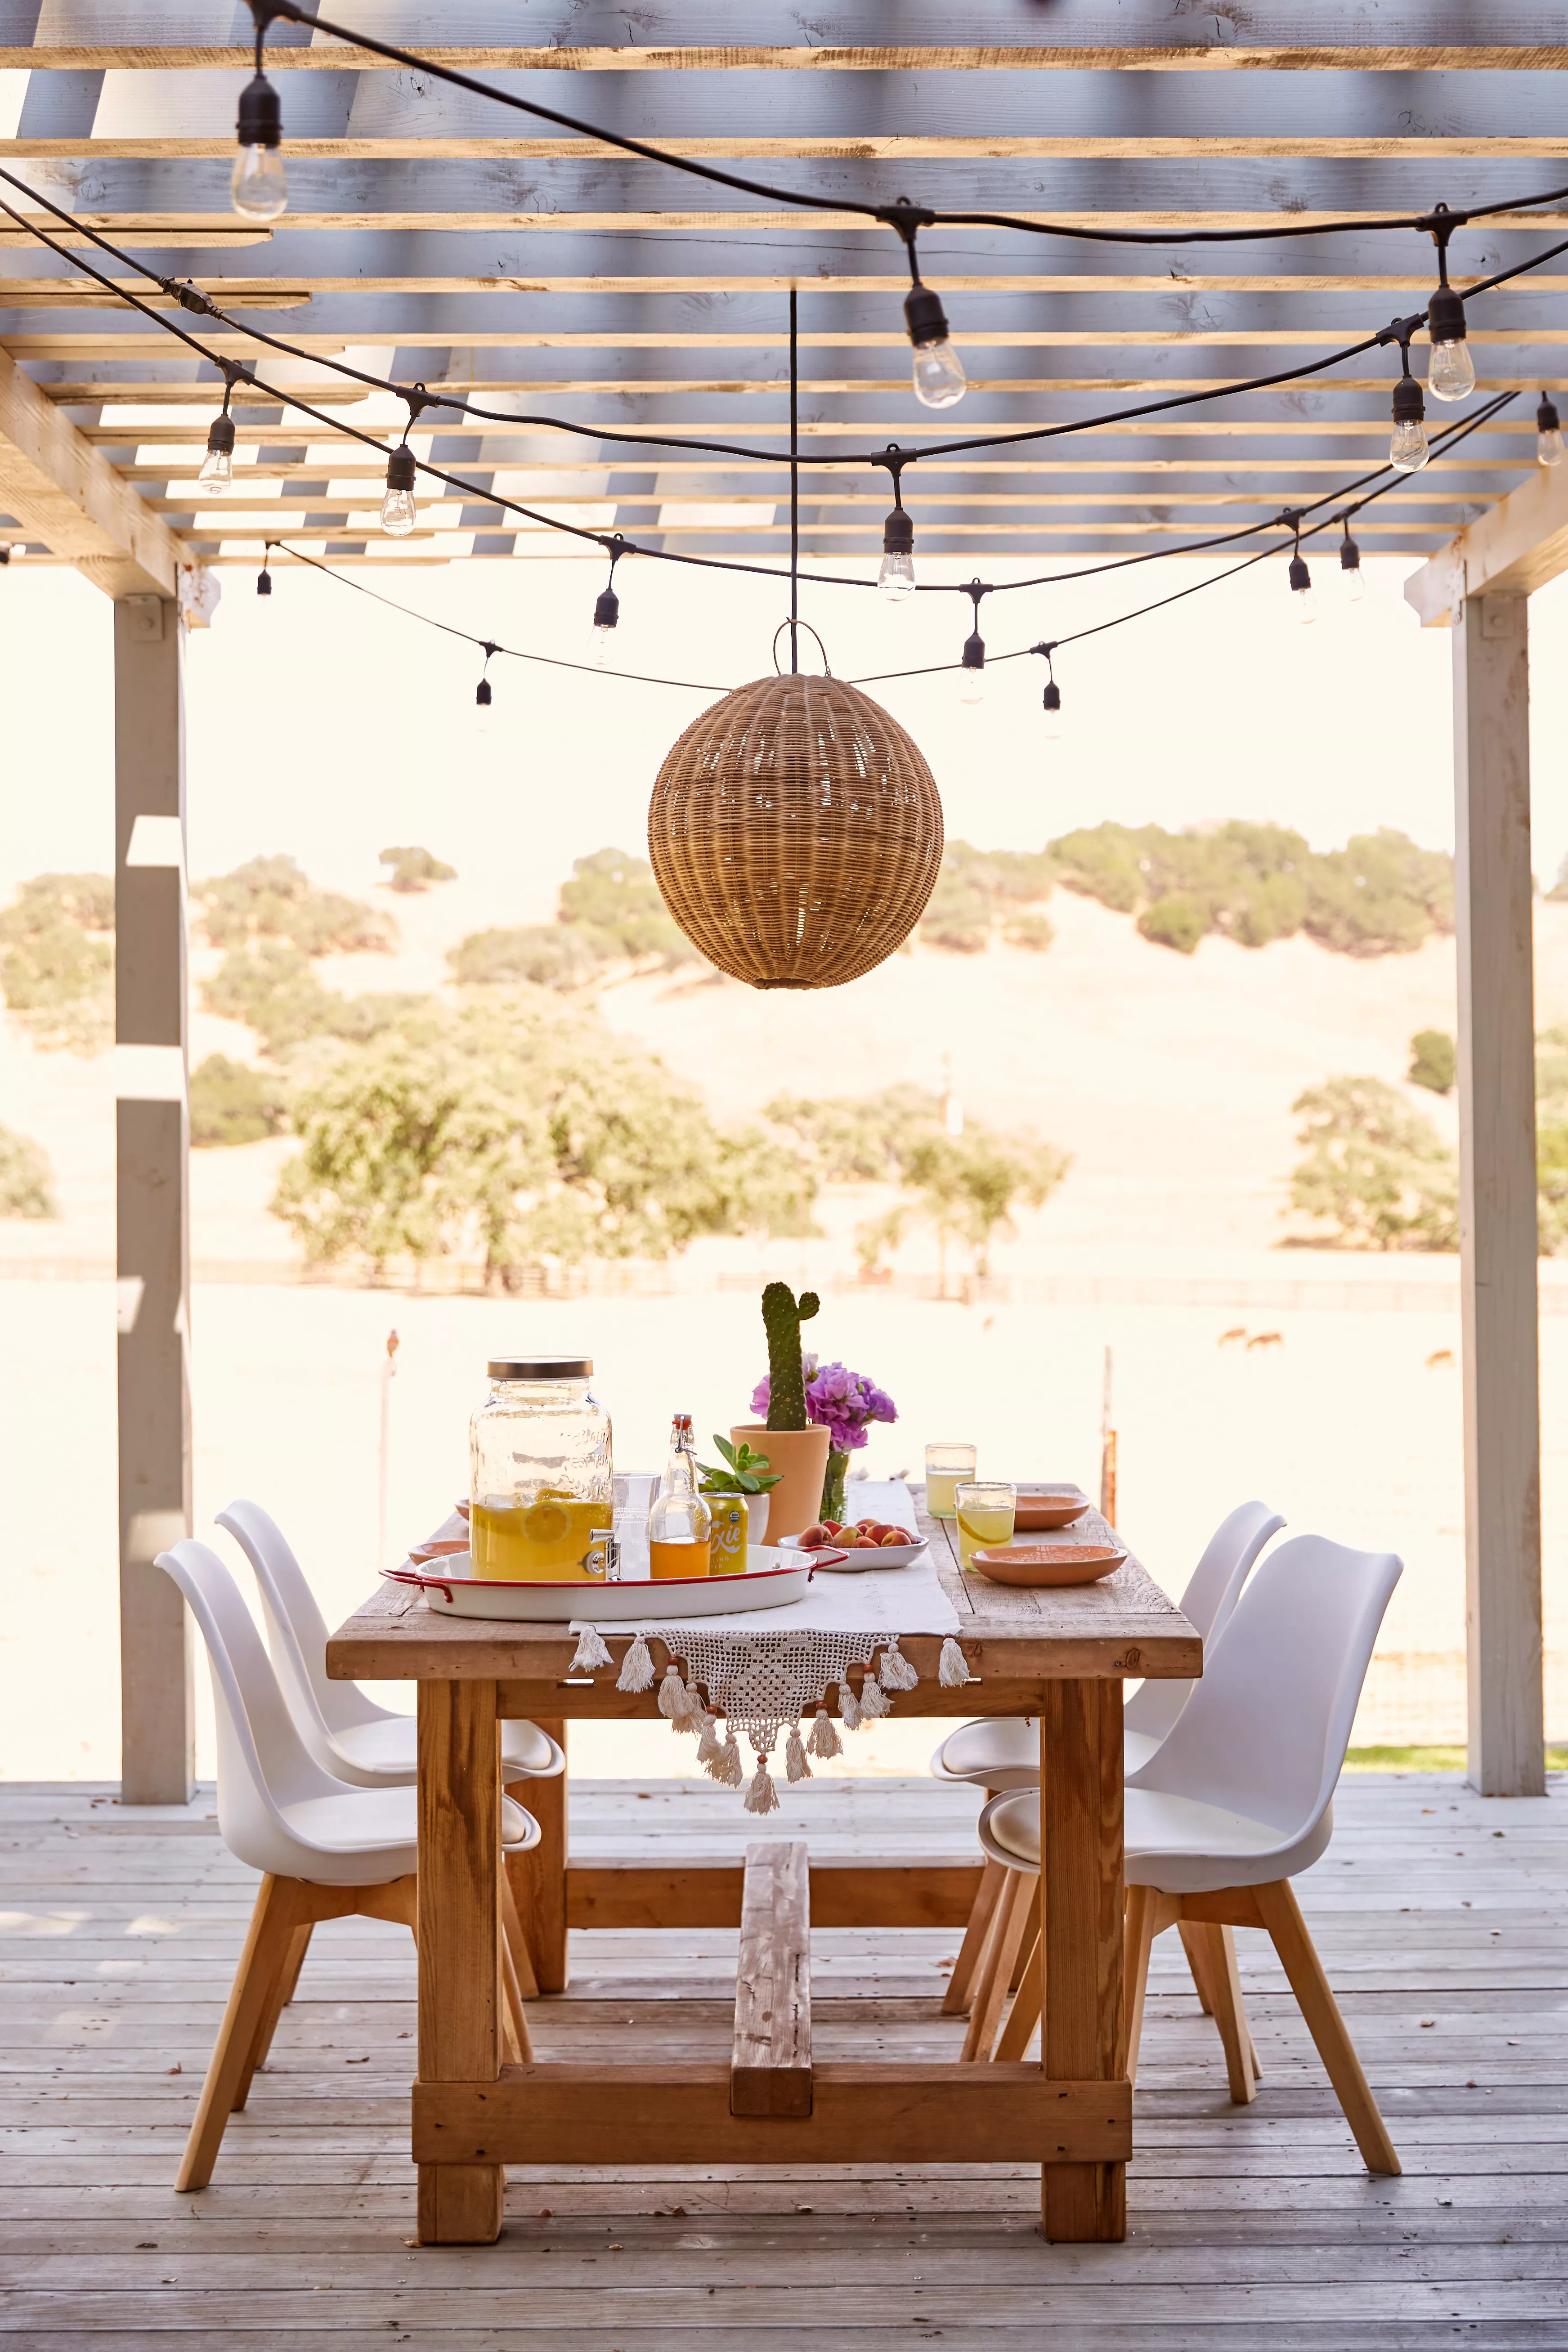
(783, 1316)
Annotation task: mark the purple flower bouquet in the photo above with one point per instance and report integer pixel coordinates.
(843, 1403)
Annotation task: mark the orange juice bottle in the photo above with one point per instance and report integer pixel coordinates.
(680, 1522)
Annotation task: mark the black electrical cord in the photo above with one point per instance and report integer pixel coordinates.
(903, 216)
(486, 645)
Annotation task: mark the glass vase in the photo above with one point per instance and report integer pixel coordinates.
(833, 1486)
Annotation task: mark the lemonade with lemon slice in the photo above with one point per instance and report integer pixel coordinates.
(545, 1539)
(985, 1508)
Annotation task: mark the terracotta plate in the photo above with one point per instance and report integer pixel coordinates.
(1044, 1506)
(1049, 1563)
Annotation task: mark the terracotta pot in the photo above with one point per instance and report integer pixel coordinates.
(800, 1458)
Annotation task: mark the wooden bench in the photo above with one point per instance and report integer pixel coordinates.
(770, 2065)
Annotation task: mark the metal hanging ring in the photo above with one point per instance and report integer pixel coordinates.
(821, 649)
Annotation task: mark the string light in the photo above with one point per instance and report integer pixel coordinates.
(258, 184)
(936, 370)
(398, 512)
(1051, 700)
(895, 578)
(264, 580)
(1408, 448)
(218, 466)
(483, 697)
(1351, 581)
(1451, 371)
(1548, 432)
(607, 609)
(971, 683)
(1301, 595)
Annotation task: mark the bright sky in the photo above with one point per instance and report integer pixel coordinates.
(321, 724)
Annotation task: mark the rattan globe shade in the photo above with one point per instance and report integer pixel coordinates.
(795, 833)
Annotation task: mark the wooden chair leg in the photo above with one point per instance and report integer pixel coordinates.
(1191, 1933)
(1025, 2014)
(283, 1993)
(1143, 1904)
(517, 1942)
(1229, 2015)
(1007, 1926)
(514, 2017)
(1282, 1915)
(955, 1999)
(1031, 1937)
(282, 1906)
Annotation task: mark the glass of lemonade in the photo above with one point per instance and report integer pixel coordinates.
(945, 1465)
(985, 1509)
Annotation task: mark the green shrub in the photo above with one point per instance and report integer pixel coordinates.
(613, 903)
(273, 991)
(1176, 922)
(1034, 931)
(414, 869)
(861, 1138)
(57, 959)
(544, 955)
(231, 1103)
(957, 917)
(27, 1180)
(1376, 1170)
(269, 899)
(1433, 1062)
(977, 885)
(1102, 862)
(1552, 1185)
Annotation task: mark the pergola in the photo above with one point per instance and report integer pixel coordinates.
(432, 235)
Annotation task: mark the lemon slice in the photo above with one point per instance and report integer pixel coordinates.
(546, 1523)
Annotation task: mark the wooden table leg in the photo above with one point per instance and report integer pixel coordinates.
(1081, 1932)
(460, 1989)
(539, 1879)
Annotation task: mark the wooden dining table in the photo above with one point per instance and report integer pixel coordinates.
(1061, 1656)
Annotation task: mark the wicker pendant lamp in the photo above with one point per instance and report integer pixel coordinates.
(795, 833)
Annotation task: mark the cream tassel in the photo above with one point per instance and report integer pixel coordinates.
(823, 1739)
(953, 1667)
(896, 1672)
(849, 1709)
(726, 1766)
(795, 1765)
(637, 1668)
(591, 1651)
(709, 1750)
(672, 1699)
(874, 1700)
(762, 1797)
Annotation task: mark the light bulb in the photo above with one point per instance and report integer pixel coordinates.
(1408, 449)
(1306, 605)
(1052, 702)
(398, 513)
(606, 619)
(972, 686)
(1451, 374)
(258, 184)
(1548, 434)
(601, 647)
(217, 472)
(937, 375)
(483, 704)
(1352, 586)
(897, 577)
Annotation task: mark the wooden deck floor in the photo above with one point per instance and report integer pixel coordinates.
(1442, 1920)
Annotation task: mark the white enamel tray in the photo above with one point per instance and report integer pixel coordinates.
(774, 1576)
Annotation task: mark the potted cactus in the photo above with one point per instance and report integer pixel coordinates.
(797, 1448)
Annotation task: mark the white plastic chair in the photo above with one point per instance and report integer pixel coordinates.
(326, 1849)
(345, 1730)
(998, 1753)
(1236, 1800)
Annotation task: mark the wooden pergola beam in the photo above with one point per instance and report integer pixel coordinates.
(1516, 547)
(62, 490)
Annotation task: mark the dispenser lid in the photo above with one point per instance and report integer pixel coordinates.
(540, 1368)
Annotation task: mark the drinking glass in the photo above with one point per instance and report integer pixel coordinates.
(945, 1465)
(985, 1509)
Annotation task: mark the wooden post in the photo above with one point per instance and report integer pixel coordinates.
(1492, 889)
(460, 1989)
(151, 1174)
(1081, 1932)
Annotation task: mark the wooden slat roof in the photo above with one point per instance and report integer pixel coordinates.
(431, 235)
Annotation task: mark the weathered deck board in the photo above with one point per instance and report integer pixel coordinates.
(117, 1936)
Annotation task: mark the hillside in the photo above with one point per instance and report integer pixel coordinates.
(1169, 1077)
